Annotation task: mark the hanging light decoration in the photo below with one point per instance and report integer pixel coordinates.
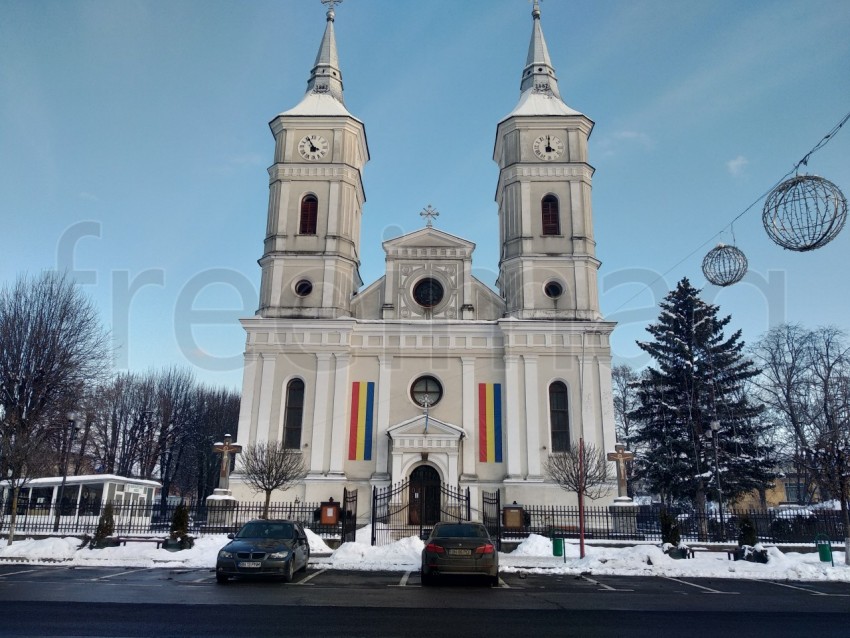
(804, 213)
(724, 265)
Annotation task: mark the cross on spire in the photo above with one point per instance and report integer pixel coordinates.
(331, 4)
(428, 213)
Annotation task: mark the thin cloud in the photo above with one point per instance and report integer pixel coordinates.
(89, 197)
(623, 141)
(736, 166)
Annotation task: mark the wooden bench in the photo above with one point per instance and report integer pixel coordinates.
(123, 540)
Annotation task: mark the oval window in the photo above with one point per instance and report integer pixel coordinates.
(426, 391)
(553, 289)
(428, 292)
(303, 288)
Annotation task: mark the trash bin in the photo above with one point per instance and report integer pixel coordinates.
(557, 546)
(824, 548)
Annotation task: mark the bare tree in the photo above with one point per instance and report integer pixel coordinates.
(625, 381)
(271, 466)
(585, 474)
(51, 346)
(582, 469)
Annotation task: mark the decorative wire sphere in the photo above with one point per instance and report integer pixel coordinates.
(804, 213)
(724, 265)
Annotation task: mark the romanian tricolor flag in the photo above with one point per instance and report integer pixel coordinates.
(362, 417)
(490, 422)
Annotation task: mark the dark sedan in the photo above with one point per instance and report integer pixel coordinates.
(264, 548)
(459, 549)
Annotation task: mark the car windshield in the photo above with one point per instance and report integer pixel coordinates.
(259, 529)
(460, 531)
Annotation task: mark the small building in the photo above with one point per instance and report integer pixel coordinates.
(82, 498)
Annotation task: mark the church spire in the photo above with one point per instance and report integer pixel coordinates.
(325, 77)
(539, 74)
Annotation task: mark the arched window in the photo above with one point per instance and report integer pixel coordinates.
(559, 417)
(294, 414)
(551, 216)
(309, 213)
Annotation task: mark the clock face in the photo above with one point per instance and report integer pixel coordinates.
(548, 147)
(428, 293)
(313, 147)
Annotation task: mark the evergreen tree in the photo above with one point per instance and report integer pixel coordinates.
(698, 378)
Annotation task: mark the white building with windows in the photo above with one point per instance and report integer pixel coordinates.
(427, 374)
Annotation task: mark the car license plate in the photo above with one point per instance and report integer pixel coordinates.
(249, 564)
(460, 552)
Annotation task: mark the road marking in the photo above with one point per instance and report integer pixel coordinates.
(502, 584)
(603, 585)
(708, 590)
(307, 579)
(26, 571)
(403, 581)
(131, 571)
(808, 591)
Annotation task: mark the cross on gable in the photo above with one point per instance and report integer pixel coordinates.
(429, 214)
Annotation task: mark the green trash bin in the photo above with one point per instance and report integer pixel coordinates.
(824, 548)
(557, 546)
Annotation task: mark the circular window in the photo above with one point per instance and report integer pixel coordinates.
(428, 292)
(303, 288)
(426, 391)
(553, 289)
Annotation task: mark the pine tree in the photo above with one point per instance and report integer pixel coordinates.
(698, 378)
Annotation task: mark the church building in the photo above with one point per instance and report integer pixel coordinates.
(428, 374)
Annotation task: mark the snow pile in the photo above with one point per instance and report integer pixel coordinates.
(533, 555)
(403, 555)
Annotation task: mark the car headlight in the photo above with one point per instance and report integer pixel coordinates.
(279, 555)
(225, 554)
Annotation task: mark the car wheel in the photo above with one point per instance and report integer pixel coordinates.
(494, 581)
(221, 579)
(427, 579)
(287, 571)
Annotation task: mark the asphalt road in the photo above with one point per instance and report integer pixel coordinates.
(111, 601)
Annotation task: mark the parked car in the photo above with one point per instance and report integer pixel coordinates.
(265, 548)
(459, 549)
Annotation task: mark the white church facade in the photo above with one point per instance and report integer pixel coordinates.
(427, 374)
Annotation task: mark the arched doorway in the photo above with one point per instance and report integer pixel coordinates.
(424, 496)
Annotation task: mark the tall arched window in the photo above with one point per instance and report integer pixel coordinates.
(309, 213)
(551, 216)
(294, 414)
(559, 416)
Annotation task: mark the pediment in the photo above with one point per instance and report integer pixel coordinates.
(429, 239)
(416, 428)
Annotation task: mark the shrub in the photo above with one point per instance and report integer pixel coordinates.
(105, 526)
(669, 528)
(180, 527)
(747, 531)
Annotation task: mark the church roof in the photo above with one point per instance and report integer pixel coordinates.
(539, 92)
(324, 88)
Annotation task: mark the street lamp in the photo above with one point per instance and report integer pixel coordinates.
(713, 434)
(69, 438)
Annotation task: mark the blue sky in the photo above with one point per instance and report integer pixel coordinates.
(134, 146)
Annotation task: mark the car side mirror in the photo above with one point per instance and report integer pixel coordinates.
(231, 536)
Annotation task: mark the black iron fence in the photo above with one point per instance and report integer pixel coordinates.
(643, 523)
(155, 518)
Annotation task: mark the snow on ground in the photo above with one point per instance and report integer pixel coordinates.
(534, 555)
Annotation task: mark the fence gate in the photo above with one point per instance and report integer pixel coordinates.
(411, 508)
(491, 511)
(349, 516)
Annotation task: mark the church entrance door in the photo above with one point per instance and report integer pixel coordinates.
(424, 496)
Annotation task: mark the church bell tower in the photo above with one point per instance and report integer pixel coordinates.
(311, 253)
(547, 267)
